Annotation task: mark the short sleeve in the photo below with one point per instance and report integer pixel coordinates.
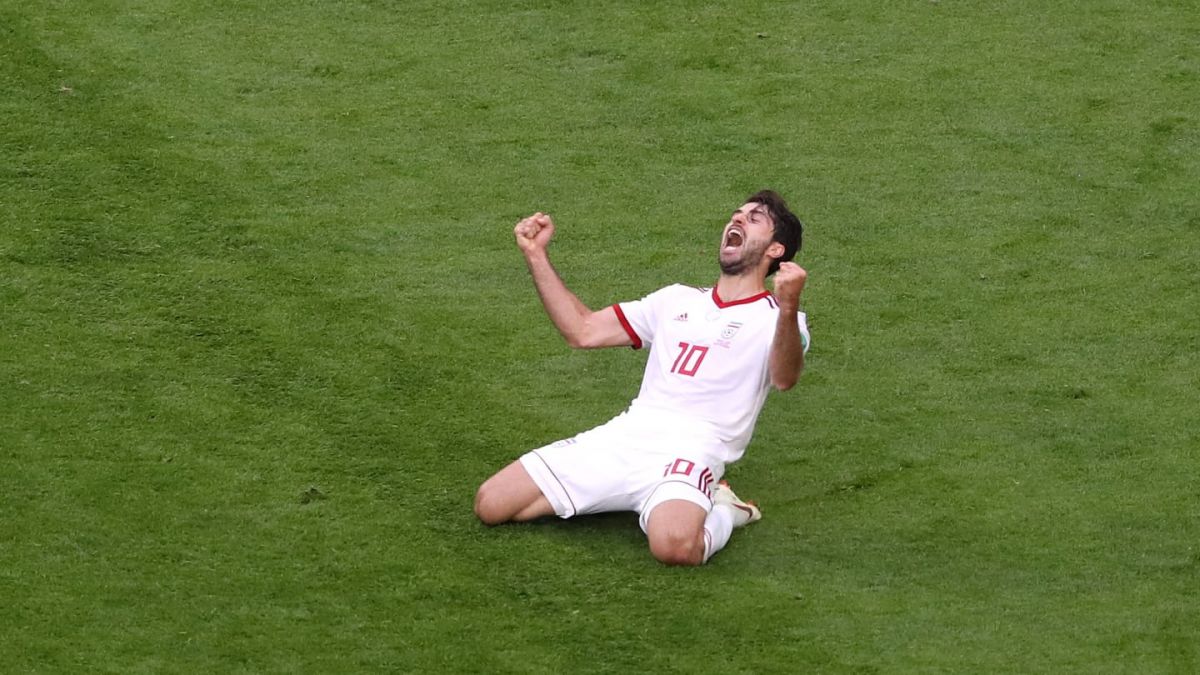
(641, 318)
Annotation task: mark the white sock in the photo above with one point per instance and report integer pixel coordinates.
(717, 528)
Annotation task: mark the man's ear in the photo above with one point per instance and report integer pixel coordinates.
(775, 250)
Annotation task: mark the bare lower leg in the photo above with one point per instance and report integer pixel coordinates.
(510, 495)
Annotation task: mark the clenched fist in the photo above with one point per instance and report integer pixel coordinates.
(534, 233)
(789, 283)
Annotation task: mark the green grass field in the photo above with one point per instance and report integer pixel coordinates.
(263, 330)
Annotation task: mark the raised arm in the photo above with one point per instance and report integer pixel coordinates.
(787, 348)
(580, 326)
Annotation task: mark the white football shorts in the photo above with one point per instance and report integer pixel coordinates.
(626, 464)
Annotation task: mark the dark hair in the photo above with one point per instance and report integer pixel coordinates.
(789, 231)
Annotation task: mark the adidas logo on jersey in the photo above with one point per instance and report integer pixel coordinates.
(681, 317)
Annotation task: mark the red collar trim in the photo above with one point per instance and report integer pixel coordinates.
(744, 301)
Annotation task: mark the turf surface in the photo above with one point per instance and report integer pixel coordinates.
(263, 330)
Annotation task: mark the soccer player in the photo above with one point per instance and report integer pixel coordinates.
(714, 355)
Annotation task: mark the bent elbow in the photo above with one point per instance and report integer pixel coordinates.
(785, 382)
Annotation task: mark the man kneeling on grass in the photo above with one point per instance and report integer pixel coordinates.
(715, 352)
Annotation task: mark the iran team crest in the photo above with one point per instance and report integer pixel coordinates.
(730, 330)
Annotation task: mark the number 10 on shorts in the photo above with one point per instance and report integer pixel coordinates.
(689, 359)
(684, 467)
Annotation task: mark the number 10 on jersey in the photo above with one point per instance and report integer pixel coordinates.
(689, 359)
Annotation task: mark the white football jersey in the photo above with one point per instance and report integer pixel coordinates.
(707, 368)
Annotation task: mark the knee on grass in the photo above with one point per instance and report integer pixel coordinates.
(678, 548)
(490, 507)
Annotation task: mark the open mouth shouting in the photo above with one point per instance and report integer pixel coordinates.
(734, 238)
(736, 254)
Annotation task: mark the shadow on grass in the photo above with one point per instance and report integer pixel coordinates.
(601, 522)
(603, 528)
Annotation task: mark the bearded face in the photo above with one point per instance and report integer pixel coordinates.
(745, 240)
(738, 255)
